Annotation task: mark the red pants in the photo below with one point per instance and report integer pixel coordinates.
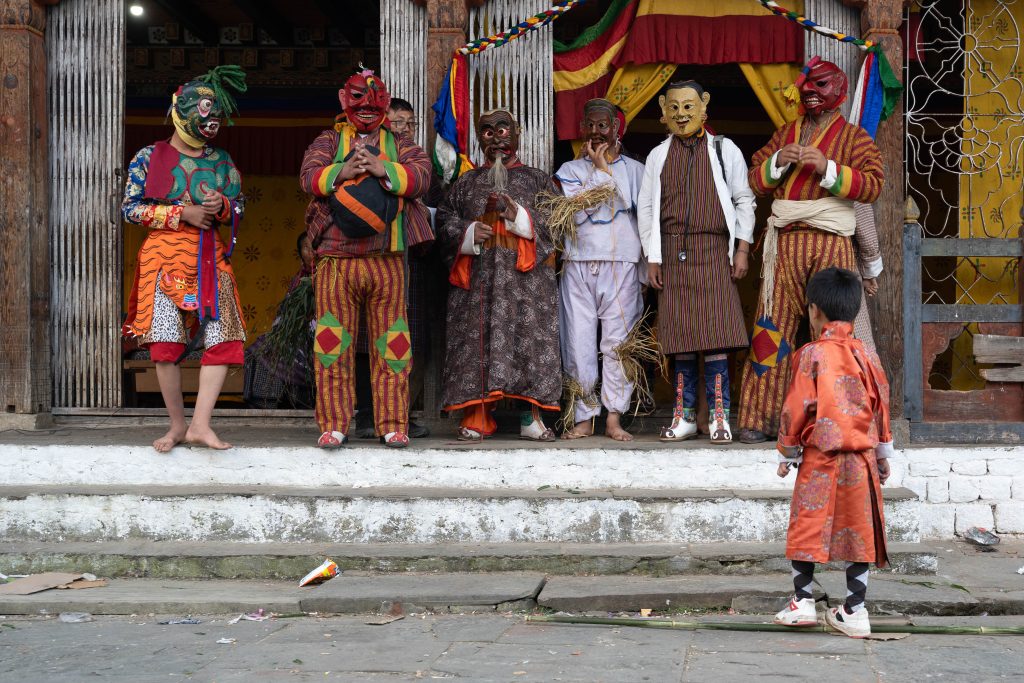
(225, 353)
(343, 287)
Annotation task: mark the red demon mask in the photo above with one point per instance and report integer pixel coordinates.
(823, 88)
(365, 100)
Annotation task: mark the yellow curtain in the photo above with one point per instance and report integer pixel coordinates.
(769, 81)
(990, 180)
(633, 86)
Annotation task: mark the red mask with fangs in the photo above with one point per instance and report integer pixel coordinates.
(365, 100)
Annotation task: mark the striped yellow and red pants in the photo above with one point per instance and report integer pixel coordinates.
(802, 253)
(343, 287)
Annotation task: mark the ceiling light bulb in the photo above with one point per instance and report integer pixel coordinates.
(136, 10)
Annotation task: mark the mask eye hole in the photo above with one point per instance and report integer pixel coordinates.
(502, 131)
(205, 106)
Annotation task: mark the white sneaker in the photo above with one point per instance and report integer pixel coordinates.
(855, 625)
(719, 430)
(681, 430)
(798, 613)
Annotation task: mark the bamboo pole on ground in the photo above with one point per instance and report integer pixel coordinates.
(674, 624)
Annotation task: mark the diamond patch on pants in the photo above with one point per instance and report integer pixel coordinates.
(330, 340)
(767, 346)
(395, 346)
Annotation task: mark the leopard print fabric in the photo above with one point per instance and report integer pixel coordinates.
(170, 323)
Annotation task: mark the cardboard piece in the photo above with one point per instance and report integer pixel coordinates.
(37, 583)
(84, 583)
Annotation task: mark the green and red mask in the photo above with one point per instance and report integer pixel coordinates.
(365, 100)
(197, 113)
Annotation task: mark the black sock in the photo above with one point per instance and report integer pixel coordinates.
(803, 576)
(856, 585)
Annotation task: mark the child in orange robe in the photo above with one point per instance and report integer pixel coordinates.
(835, 427)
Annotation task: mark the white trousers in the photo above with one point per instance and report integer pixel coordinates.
(592, 293)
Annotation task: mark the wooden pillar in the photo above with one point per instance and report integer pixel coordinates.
(880, 22)
(25, 387)
(446, 30)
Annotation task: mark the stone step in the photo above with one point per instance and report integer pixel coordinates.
(757, 594)
(214, 560)
(258, 514)
(351, 594)
(768, 593)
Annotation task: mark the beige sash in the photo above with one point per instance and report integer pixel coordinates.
(830, 214)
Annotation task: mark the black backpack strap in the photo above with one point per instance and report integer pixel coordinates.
(718, 151)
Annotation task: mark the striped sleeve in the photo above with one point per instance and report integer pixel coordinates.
(410, 176)
(860, 180)
(762, 180)
(319, 174)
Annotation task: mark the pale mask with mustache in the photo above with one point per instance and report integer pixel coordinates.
(684, 111)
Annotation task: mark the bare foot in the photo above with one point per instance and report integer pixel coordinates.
(205, 437)
(580, 431)
(613, 429)
(169, 440)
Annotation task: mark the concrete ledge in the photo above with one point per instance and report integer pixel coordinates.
(758, 595)
(292, 560)
(342, 594)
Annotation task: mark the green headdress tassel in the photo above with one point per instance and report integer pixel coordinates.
(223, 79)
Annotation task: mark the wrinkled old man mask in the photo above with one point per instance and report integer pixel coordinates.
(600, 123)
(684, 109)
(498, 133)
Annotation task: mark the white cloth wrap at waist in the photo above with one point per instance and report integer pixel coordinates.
(830, 214)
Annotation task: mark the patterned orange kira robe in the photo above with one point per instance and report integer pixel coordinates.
(837, 411)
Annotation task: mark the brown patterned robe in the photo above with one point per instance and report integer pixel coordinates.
(502, 339)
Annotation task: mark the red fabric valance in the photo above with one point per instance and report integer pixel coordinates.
(658, 38)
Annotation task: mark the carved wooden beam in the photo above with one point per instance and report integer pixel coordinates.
(188, 14)
(342, 20)
(266, 16)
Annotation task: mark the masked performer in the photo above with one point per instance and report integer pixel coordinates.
(815, 168)
(502, 339)
(182, 190)
(696, 215)
(600, 278)
(363, 215)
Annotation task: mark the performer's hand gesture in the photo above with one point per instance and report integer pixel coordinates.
(812, 156)
(790, 154)
(654, 275)
(482, 232)
(597, 155)
(197, 216)
(350, 169)
(368, 162)
(507, 207)
(784, 468)
(870, 286)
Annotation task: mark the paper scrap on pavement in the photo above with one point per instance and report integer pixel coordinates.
(226, 641)
(84, 583)
(385, 619)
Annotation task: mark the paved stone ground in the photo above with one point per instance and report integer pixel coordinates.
(481, 648)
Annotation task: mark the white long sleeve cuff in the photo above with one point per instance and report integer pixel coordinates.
(776, 170)
(523, 225)
(884, 450)
(469, 246)
(831, 175)
(871, 269)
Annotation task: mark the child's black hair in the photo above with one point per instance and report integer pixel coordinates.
(836, 292)
(298, 243)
